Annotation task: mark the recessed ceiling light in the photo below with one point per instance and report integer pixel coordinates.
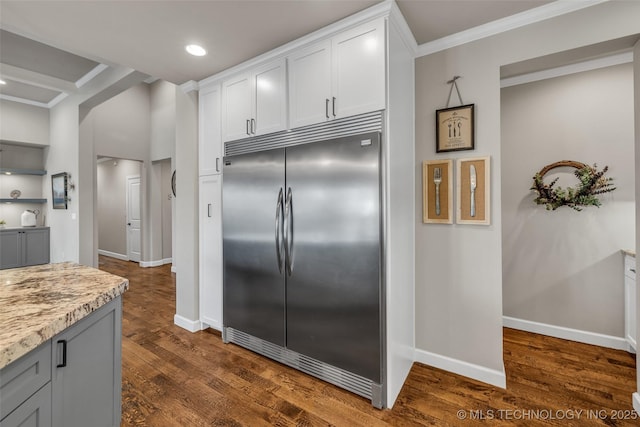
(2, 82)
(196, 50)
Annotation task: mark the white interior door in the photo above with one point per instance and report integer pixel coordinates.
(134, 218)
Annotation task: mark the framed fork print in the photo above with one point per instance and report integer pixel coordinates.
(473, 186)
(437, 188)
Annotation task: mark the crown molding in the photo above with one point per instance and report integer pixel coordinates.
(594, 64)
(189, 86)
(547, 11)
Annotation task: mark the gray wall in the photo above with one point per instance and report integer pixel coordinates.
(162, 100)
(112, 203)
(563, 267)
(459, 267)
(23, 123)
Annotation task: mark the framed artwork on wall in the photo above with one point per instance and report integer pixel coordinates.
(59, 190)
(473, 187)
(455, 128)
(437, 191)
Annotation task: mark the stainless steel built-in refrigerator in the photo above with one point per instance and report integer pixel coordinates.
(302, 258)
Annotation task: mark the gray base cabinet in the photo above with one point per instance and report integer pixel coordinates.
(22, 247)
(72, 380)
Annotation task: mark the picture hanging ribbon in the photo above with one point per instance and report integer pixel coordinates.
(592, 183)
(453, 84)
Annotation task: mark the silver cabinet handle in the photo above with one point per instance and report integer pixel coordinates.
(209, 210)
(217, 164)
(279, 226)
(64, 354)
(253, 126)
(326, 108)
(288, 232)
(247, 126)
(333, 106)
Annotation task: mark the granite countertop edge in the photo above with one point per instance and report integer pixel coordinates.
(66, 318)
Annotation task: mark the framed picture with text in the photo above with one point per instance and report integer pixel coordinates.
(455, 128)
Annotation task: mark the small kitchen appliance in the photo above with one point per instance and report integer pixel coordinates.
(28, 218)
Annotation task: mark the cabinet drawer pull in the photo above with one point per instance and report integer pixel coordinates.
(248, 127)
(253, 126)
(209, 210)
(333, 106)
(326, 107)
(64, 354)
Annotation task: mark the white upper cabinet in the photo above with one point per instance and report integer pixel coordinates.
(255, 103)
(340, 77)
(310, 84)
(210, 141)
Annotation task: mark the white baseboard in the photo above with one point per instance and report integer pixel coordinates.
(174, 269)
(188, 324)
(636, 402)
(113, 255)
(460, 367)
(586, 337)
(211, 323)
(156, 263)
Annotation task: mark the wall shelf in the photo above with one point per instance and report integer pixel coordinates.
(23, 201)
(10, 171)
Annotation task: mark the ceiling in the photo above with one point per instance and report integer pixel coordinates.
(50, 48)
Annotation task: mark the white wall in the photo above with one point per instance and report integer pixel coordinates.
(112, 204)
(162, 99)
(185, 257)
(563, 267)
(459, 267)
(23, 123)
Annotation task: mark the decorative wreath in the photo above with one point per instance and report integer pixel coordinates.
(592, 183)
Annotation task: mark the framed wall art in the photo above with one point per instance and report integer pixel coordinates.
(437, 189)
(473, 186)
(455, 128)
(59, 190)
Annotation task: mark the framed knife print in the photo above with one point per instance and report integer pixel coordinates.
(473, 190)
(437, 189)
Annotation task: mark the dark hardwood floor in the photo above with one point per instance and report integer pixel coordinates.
(171, 377)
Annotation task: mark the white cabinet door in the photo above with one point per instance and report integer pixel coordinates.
(210, 138)
(310, 84)
(211, 251)
(236, 108)
(358, 59)
(270, 98)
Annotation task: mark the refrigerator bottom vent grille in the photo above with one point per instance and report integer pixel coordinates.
(336, 376)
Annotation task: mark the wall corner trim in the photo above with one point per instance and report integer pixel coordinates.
(636, 402)
(480, 373)
(188, 324)
(586, 337)
(189, 86)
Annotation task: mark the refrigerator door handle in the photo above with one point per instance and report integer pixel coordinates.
(288, 232)
(279, 227)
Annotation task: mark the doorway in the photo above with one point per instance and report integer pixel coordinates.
(562, 269)
(118, 205)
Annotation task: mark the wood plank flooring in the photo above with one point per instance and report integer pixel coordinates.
(171, 377)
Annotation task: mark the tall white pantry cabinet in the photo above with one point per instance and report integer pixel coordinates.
(362, 64)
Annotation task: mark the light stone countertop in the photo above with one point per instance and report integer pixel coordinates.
(36, 303)
(629, 252)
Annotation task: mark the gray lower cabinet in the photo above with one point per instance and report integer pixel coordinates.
(23, 247)
(72, 380)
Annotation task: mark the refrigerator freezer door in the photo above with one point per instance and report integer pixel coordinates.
(251, 207)
(333, 293)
